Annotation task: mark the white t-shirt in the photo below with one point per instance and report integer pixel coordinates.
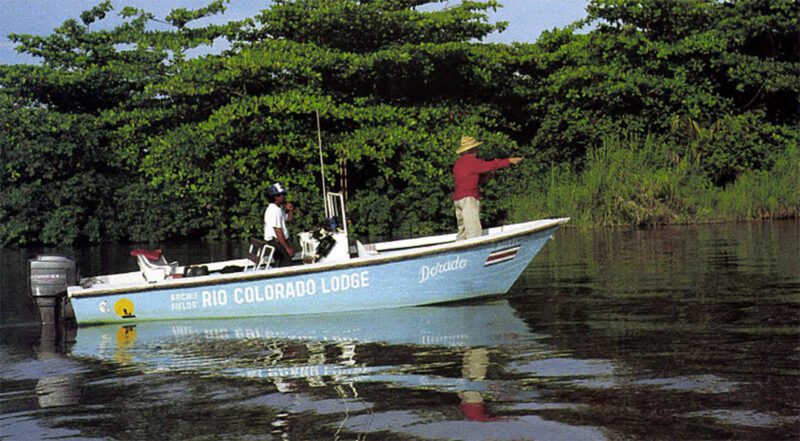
(274, 217)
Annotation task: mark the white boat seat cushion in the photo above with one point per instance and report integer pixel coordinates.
(153, 265)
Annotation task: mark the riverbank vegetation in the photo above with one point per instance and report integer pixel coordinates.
(645, 113)
(646, 182)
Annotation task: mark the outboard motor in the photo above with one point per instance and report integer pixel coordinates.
(49, 276)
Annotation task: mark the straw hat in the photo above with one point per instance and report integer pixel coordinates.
(467, 143)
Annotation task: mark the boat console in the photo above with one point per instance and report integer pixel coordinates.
(329, 243)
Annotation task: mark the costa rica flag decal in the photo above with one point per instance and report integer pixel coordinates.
(502, 255)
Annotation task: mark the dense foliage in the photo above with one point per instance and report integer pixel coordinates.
(120, 134)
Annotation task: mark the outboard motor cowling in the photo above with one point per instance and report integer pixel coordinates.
(49, 276)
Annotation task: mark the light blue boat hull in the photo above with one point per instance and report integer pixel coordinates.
(462, 271)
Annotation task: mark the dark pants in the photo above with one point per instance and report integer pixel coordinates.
(280, 256)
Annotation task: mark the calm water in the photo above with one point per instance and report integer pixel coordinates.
(674, 333)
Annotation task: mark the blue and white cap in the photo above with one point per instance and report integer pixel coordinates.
(276, 189)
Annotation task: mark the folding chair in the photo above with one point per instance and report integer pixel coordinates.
(259, 254)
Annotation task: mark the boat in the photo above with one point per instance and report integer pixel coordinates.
(331, 276)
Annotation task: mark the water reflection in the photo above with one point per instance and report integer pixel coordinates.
(356, 367)
(54, 387)
(312, 348)
(475, 364)
(35, 377)
(701, 323)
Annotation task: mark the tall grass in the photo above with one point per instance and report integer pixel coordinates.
(634, 181)
(764, 194)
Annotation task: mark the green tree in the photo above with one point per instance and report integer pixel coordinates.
(643, 63)
(395, 88)
(68, 173)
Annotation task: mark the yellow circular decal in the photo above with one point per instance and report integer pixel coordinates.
(126, 335)
(124, 308)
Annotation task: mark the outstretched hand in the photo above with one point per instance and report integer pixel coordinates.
(515, 160)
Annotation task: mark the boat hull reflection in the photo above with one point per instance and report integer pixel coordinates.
(361, 365)
(482, 324)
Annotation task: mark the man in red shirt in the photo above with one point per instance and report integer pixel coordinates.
(467, 173)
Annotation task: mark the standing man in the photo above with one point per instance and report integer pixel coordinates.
(467, 172)
(275, 218)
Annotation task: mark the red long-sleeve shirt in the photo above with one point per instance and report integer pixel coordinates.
(467, 174)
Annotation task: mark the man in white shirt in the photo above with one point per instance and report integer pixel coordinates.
(275, 218)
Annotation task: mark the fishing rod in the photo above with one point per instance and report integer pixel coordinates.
(322, 169)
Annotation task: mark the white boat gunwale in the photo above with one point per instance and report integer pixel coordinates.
(506, 232)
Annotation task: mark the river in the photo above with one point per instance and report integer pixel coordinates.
(675, 333)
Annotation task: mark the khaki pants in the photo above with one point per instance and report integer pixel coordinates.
(468, 217)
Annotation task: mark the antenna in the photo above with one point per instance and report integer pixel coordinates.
(322, 170)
